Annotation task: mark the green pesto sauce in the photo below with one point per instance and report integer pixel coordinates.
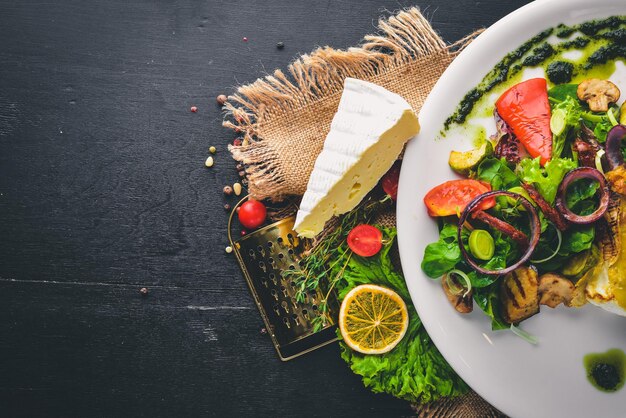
(606, 371)
(600, 41)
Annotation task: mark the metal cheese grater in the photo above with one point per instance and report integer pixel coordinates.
(263, 256)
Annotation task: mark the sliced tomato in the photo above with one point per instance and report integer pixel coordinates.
(451, 197)
(365, 240)
(525, 108)
(390, 180)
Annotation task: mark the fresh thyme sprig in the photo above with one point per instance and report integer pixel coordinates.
(320, 270)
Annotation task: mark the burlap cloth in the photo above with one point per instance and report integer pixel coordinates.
(284, 119)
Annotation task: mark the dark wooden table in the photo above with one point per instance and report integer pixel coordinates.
(103, 191)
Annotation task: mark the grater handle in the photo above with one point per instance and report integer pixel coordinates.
(230, 219)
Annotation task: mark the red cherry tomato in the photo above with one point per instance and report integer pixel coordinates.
(252, 214)
(451, 197)
(365, 240)
(525, 108)
(390, 181)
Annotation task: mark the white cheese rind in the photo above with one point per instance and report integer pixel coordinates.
(366, 136)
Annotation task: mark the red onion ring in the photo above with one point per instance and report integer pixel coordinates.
(572, 176)
(613, 146)
(535, 230)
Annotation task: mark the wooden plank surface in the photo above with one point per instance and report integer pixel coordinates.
(103, 191)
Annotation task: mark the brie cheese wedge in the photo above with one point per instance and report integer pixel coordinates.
(366, 137)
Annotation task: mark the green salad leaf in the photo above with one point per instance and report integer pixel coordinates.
(564, 97)
(580, 194)
(545, 179)
(497, 173)
(572, 110)
(487, 299)
(562, 92)
(577, 239)
(504, 252)
(414, 370)
(441, 256)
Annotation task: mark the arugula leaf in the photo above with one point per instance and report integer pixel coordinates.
(546, 179)
(497, 173)
(414, 370)
(441, 256)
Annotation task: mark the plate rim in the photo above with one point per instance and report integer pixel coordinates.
(482, 41)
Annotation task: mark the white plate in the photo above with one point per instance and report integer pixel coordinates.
(547, 380)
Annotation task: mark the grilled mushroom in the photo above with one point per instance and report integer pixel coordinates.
(598, 94)
(554, 290)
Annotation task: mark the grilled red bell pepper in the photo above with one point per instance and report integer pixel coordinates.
(525, 109)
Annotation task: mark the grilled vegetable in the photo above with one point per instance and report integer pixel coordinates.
(463, 162)
(525, 108)
(554, 290)
(519, 294)
(615, 159)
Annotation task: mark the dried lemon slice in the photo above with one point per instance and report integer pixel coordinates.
(373, 319)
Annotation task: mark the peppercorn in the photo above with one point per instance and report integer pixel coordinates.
(143, 291)
(237, 210)
(237, 142)
(242, 174)
(226, 207)
(263, 331)
(194, 109)
(243, 232)
(221, 99)
(280, 45)
(245, 39)
(239, 167)
(228, 190)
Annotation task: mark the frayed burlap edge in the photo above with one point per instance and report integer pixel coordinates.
(405, 40)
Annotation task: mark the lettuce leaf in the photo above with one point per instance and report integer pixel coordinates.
(545, 179)
(414, 370)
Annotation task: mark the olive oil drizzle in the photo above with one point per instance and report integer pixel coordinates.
(603, 40)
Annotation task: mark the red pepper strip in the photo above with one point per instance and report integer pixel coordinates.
(551, 213)
(516, 235)
(526, 110)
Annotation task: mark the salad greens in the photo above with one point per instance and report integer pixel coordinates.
(546, 179)
(443, 255)
(414, 370)
(573, 129)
